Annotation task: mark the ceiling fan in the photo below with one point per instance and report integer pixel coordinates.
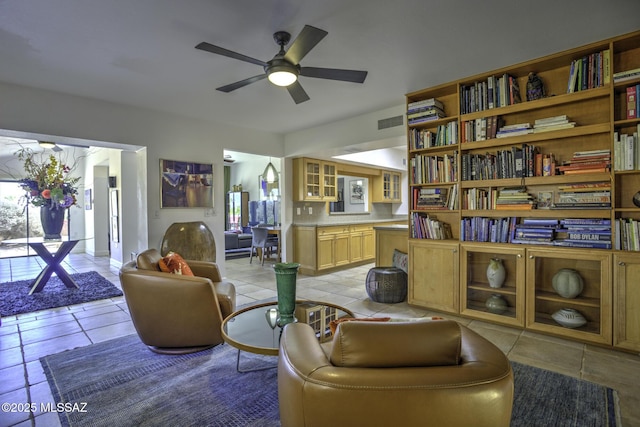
(284, 68)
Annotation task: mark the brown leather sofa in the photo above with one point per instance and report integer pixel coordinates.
(414, 373)
(174, 313)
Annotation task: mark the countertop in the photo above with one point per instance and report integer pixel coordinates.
(381, 222)
(392, 227)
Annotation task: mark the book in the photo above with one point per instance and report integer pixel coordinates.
(631, 102)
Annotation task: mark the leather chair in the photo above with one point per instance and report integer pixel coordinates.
(172, 313)
(413, 373)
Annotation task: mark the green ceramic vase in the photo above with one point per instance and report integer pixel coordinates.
(286, 273)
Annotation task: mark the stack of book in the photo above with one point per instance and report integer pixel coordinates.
(482, 229)
(495, 92)
(480, 129)
(623, 76)
(424, 111)
(429, 227)
(435, 198)
(424, 138)
(584, 233)
(535, 231)
(626, 151)
(590, 71)
(514, 198)
(514, 130)
(589, 196)
(593, 161)
(552, 123)
(627, 234)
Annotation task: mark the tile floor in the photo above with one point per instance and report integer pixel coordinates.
(26, 338)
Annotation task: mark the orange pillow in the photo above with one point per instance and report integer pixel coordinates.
(174, 263)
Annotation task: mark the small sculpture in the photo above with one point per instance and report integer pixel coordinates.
(535, 88)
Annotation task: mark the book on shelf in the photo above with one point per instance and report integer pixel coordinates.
(590, 71)
(632, 113)
(626, 75)
(429, 102)
(560, 205)
(584, 221)
(582, 244)
(589, 236)
(626, 150)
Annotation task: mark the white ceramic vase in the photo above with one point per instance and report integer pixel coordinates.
(567, 283)
(496, 273)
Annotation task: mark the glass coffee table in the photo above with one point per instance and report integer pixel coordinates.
(253, 329)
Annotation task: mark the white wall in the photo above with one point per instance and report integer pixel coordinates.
(27, 111)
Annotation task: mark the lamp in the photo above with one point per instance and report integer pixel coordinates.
(270, 173)
(281, 73)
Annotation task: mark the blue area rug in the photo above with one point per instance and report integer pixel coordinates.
(124, 384)
(15, 298)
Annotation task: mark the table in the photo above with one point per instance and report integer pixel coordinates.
(54, 264)
(249, 330)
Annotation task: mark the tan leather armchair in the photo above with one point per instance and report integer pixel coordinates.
(174, 313)
(415, 373)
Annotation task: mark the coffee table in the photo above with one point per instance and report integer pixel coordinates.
(249, 329)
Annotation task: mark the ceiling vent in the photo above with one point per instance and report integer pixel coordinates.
(390, 122)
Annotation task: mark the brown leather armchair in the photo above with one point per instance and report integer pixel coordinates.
(174, 313)
(414, 373)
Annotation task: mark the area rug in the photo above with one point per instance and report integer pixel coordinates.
(124, 383)
(15, 298)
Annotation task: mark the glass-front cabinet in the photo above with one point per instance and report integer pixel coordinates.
(569, 293)
(315, 180)
(492, 279)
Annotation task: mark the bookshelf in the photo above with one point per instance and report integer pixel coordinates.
(512, 159)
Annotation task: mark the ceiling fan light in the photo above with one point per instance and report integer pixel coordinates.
(282, 77)
(46, 144)
(270, 173)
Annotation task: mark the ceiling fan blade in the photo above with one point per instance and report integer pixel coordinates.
(308, 38)
(297, 93)
(226, 52)
(334, 74)
(241, 83)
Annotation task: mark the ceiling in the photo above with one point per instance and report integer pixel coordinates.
(142, 53)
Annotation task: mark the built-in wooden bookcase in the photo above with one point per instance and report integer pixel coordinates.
(598, 111)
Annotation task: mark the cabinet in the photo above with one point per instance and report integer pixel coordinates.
(434, 275)
(333, 247)
(626, 301)
(237, 210)
(386, 188)
(593, 303)
(361, 243)
(316, 180)
(484, 164)
(476, 291)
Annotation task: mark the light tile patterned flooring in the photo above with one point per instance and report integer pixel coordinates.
(26, 338)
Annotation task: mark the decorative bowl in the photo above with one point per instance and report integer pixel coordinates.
(569, 318)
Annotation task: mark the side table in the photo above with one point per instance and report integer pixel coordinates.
(53, 261)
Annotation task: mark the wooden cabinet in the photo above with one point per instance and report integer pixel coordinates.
(464, 160)
(388, 239)
(361, 242)
(475, 288)
(626, 301)
(314, 180)
(434, 275)
(386, 187)
(333, 247)
(593, 303)
(323, 248)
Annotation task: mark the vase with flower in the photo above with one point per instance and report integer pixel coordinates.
(50, 187)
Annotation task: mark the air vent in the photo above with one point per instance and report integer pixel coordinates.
(390, 122)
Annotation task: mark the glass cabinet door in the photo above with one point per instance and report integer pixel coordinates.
(569, 293)
(492, 283)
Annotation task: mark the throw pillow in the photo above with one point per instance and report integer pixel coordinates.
(174, 263)
(401, 260)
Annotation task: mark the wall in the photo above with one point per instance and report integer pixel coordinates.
(28, 112)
